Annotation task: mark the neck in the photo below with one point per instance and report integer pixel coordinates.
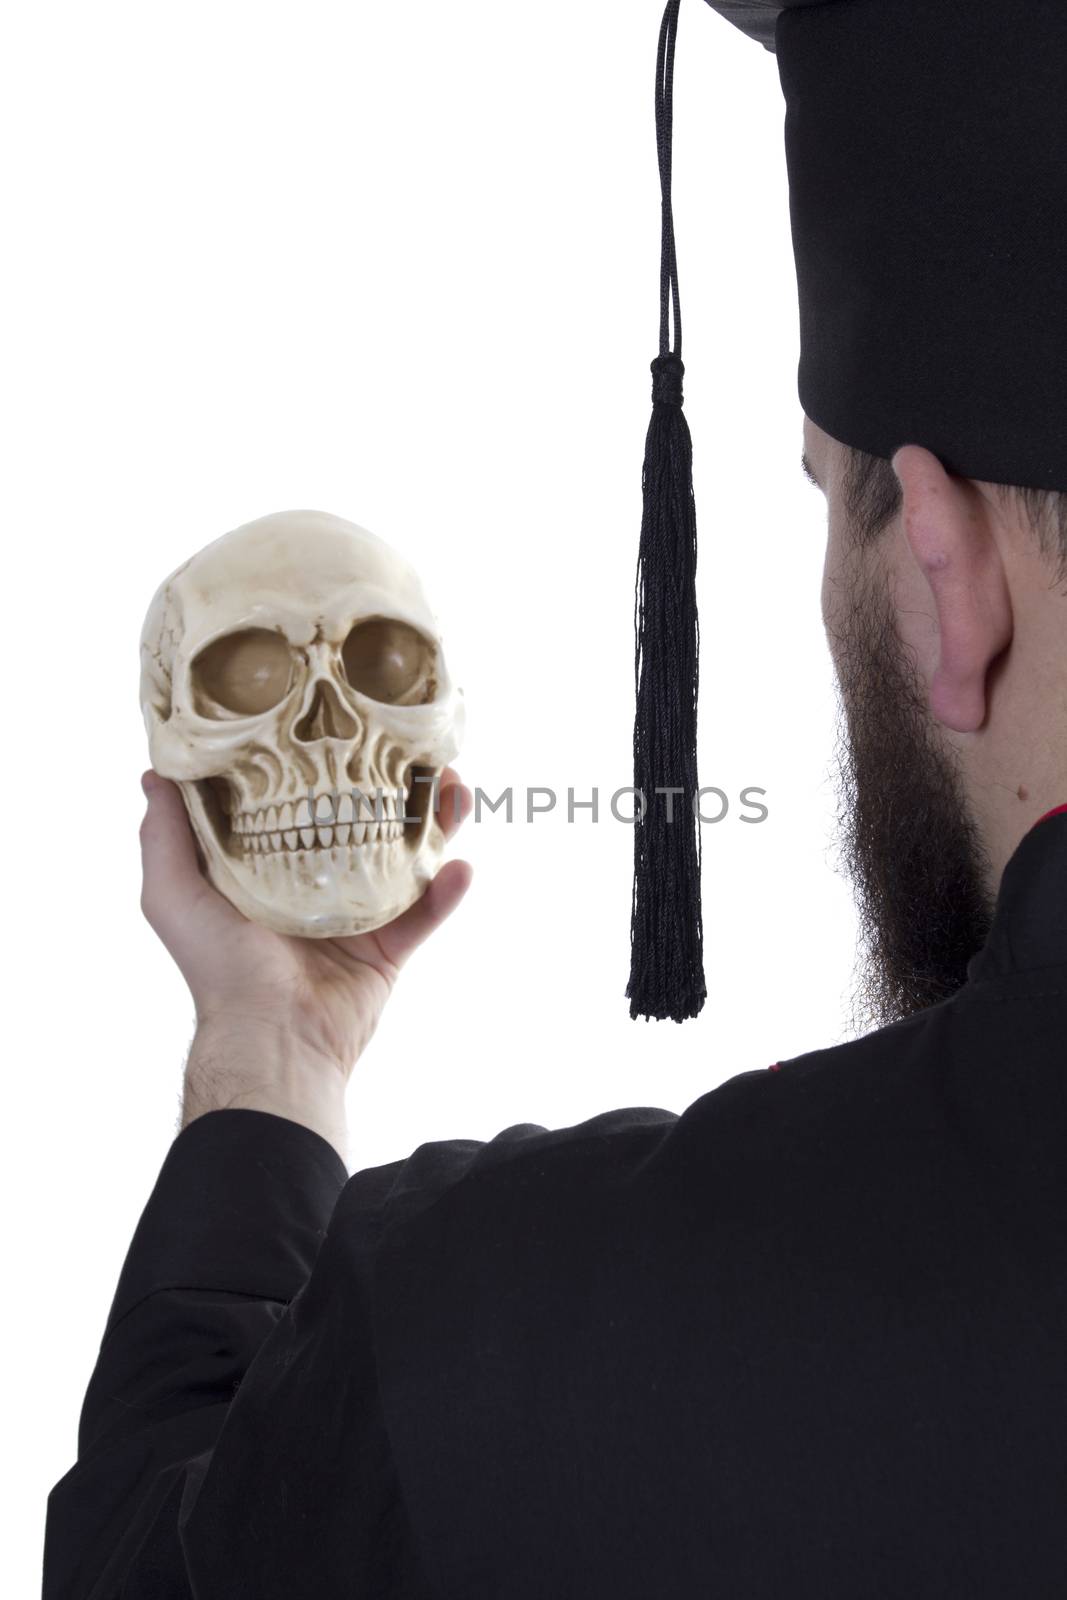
(1006, 813)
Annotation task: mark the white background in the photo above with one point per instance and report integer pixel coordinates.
(400, 263)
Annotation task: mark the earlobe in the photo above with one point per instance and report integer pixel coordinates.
(949, 533)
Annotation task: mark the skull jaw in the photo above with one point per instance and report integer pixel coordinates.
(324, 893)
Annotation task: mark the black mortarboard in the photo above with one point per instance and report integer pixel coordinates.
(926, 150)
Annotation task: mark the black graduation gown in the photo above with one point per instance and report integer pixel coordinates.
(807, 1339)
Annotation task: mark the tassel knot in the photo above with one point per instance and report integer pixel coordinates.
(667, 373)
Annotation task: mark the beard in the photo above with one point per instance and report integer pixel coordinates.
(907, 837)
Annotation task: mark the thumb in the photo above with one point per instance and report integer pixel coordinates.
(171, 879)
(399, 938)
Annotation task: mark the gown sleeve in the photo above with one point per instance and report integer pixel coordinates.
(335, 1475)
(303, 1377)
(227, 1240)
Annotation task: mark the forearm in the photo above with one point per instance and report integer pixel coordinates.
(248, 1064)
(227, 1240)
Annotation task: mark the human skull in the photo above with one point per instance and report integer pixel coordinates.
(293, 684)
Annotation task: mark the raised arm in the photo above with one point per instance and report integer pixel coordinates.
(232, 1228)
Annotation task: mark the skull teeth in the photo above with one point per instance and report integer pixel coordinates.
(370, 833)
(320, 823)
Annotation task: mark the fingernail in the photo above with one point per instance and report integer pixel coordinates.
(148, 781)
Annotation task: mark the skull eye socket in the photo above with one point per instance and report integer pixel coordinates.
(390, 661)
(246, 673)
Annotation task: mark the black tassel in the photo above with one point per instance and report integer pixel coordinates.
(666, 928)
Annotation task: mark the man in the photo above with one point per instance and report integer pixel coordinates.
(805, 1339)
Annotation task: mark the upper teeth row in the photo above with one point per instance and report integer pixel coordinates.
(322, 838)
(323, 810)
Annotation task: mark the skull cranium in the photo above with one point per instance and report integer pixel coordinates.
(293, 683)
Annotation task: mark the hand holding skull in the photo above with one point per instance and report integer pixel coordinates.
(294, 686)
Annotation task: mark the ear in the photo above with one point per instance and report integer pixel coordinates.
(949, 529)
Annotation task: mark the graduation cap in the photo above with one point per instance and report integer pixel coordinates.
(926, 152)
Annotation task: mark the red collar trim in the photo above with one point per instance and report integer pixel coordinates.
(1053, 813)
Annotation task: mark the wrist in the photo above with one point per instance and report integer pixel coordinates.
(254, 1065)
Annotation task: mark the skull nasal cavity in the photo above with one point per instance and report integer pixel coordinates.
(326, 718)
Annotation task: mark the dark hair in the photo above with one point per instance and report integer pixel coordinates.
(872, 500)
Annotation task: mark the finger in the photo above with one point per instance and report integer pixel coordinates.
(455, 803)
(399, 938)
(172, 882)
